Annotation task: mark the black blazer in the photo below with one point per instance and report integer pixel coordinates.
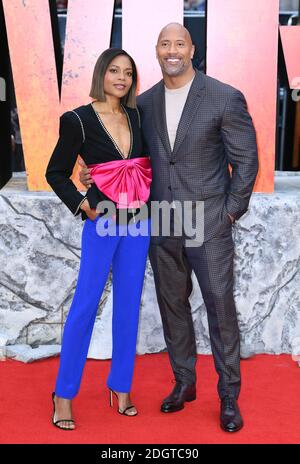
(81, 132)
(215, 130)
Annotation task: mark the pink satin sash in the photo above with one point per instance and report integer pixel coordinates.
(126, 182)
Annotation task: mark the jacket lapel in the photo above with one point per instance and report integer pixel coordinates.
(196, 94)
(159, 115)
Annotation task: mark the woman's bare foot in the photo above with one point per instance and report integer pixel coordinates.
(63, 410)
(124, 402)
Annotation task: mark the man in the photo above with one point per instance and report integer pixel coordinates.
(194, 127)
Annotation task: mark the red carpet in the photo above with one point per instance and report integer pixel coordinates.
(269, 401)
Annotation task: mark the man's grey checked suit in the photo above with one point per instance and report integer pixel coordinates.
(215, 130)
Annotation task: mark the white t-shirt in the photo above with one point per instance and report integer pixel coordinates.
(175, 100)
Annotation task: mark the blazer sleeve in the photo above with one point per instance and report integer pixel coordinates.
(62, 161)
(239, 139)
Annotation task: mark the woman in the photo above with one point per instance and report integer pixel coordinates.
(106, 133)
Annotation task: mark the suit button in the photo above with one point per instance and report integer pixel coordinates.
(172, 162)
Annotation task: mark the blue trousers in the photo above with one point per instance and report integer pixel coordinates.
(127, 255)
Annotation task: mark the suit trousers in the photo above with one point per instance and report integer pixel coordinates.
(212, 262)
(127, 255)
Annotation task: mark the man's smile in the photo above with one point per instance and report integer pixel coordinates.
(172, 60)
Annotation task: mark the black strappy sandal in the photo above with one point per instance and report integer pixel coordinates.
(54, 422)
(111, 392)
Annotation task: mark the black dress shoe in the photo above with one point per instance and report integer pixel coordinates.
(231, 419)
(175, 401)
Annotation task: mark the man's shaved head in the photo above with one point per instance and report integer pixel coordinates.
(176, 27)
(175, 50)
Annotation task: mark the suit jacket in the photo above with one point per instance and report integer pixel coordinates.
(215, 130)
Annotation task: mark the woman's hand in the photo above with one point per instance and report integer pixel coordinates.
(91, 213)
(84, 175)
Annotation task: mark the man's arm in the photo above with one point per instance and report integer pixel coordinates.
(239, 140)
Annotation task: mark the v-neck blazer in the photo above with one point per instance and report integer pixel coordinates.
(81, 133)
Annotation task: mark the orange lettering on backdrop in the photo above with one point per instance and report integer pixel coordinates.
(140, 29)
(242, 43)
(240, 50)
(290, 38)
(34, 71)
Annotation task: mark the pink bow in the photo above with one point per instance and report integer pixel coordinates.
(126, 182)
